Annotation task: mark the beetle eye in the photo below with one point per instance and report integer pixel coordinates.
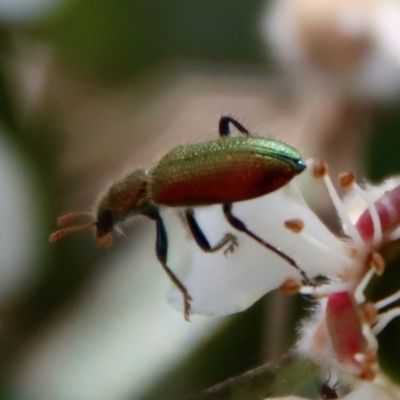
(104, 225)
(105, 222)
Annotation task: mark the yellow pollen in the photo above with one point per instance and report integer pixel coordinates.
(377, 263)
(368, 312)
(368, 362)
(347, 180)
(368, 374)
(295, 225)
(320, 170)
(291, 286)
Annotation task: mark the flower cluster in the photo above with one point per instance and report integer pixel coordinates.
(350, 46)
(341, 333)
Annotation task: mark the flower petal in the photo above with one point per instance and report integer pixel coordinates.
(369, 391)
(221, 285)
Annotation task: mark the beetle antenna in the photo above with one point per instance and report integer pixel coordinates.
(67, 218)
(63, 232)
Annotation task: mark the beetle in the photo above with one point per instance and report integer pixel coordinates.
(222, 171)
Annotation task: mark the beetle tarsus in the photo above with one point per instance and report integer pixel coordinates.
(186, 305)
(202, 240)
(233, 242)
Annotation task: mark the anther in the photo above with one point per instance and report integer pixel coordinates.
(368, 312)
(338, 204)
(320, 170)
(368, 358)
(368, 374)
(291, 286)
(368, 362)
(377, 262)
(295, 225)
(347, 180)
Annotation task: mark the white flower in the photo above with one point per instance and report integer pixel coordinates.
(350, 46)
(341, 334)
(221, 285)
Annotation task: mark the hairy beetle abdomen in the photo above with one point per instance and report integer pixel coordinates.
(223, 171)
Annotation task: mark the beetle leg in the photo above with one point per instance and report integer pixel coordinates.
(162, 251)
(224, 126)
(201, 239)
(239, 225)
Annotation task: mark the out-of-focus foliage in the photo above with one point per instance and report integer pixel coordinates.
(105, 42)
(381, 161)
(116, 39)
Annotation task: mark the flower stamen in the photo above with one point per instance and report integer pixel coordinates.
(315, 291)
(359, 292)
(347, 180)
(368, 361)
(321, 171)
(383, 319)
(377, 262)
(388, 300)
(297, 226)
(372, 342)
(368, 311)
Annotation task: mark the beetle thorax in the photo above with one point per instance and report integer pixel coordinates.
(127, 197)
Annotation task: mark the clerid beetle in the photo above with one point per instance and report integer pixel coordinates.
(222, 171)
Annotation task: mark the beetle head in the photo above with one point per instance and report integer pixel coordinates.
(124, 198)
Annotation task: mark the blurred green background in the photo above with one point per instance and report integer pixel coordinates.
(92, 88)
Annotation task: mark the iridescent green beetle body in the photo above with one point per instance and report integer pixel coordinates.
(223, 171)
